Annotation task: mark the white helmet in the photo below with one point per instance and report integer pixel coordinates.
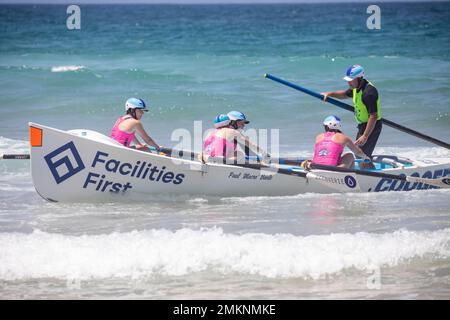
(135, 103)
(237, 116)
(353, 72)
(332, 122)
(221, 120)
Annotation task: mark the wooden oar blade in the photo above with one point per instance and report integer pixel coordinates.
(441, 182)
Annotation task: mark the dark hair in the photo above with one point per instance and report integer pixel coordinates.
(331, 130)
(132, 112)
(233, 124)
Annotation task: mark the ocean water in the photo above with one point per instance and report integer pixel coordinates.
(190, 62)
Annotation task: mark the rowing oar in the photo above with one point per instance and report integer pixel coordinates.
(352, 109)
(439, 182)
(176, 153)
(14, 156)
(321, 178)
(168, 151)
(164, 150)
(443, 182)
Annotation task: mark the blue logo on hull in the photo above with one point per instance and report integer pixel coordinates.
(350, 181)
(64, 162)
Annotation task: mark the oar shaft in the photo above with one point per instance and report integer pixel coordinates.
(415, 133)
(360, 172)
(311, 93)
(440, 182)
(352, 109)
(257, 166)
(176, 153)
(14, 156)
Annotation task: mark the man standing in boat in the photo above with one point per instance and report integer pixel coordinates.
(367, 109)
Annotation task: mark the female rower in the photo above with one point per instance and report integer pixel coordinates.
(223, 142)
(331, 143)
(126, 126)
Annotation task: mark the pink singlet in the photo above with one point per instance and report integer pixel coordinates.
(215, 146)
(328, 152)
(120, 136)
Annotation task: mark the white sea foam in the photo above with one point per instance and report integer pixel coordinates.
(66, 68)
(414, 153)
(7, 187)
(163, 252)
(13, 146)
(197, 200)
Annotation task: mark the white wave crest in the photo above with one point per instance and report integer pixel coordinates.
(164, 252)
(13, 146)
(66, 68)
(414, 153)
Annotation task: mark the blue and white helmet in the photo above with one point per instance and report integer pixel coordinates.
(221, 120)
(237, 116)
(135, 103)
(332, 122)
(353, 72)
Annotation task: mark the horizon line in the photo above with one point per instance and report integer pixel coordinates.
(208, 2)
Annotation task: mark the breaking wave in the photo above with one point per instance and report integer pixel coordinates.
(176, 253)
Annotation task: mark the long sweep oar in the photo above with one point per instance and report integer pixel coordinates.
(352, 109)
(439, 182)
(14, 156)
(178, 153)
(167, 151)
(305, 175)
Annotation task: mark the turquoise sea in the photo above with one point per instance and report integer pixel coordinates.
(189, 63)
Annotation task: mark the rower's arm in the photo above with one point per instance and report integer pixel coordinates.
(368, 131)
(341, 94)
(357, 150)
(141, 131)
(244, 140)
(136, 141)
(370, 124)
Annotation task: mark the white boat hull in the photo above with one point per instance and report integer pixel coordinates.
(85, 166)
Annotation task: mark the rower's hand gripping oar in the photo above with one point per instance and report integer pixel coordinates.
(352, 109)
(175, 153)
